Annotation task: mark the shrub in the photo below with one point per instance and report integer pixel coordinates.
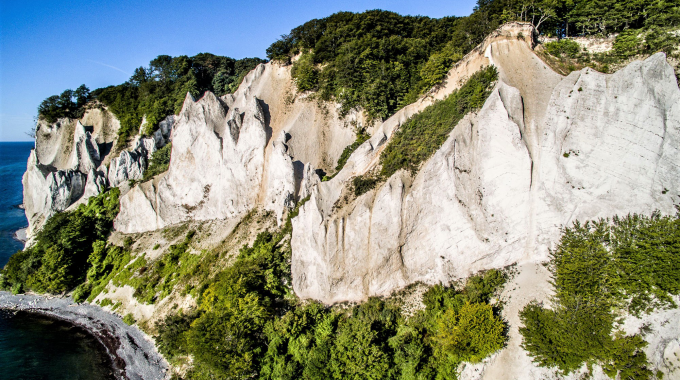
(364, 184)
(627, 43)
(129, 319)
(419, 137)
(159, 163)
(305, 74)
(600, 269)
(563, 47)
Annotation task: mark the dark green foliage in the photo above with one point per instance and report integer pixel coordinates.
(627, 43)
(563, 47)
(69, 104)
(581, 17)
(129, 319)
(419, 137)
(371, 60)
(57, 262)
(365, 183)
(247, 326)
(361, 137)
(599, 268)
(438, 65)
(160, 89)
(159, 163)
(304, 72)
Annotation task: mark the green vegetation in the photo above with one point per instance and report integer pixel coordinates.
(70, 104)
(365, 183)
(129, 319)
(160, 89)
(304, 72)
(566, 55)
(600, 269)
(58, 260)
(564, 47)
(361, 137)
(159, 163)
(582, 17)
(421, 136)
(371, 60)
(248, 324)
(156, 91)
(381, 61)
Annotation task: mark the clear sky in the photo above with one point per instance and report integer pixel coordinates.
(49, 46)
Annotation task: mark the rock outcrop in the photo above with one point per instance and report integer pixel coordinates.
(69, 162)
(217, 169)
(239, 152)
(504, 183)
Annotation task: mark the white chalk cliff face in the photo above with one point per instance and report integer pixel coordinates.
(68, 164)
(239, 152)
(503, 184)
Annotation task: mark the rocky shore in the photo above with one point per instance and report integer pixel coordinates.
(133, 355)
(20, 235)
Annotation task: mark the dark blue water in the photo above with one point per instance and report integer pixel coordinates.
(33, 347)
(13, 157)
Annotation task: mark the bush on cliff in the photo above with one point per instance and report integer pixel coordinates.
(599, 270)
(159, 163)
(69, 104)
(419, 137)
(58, 260)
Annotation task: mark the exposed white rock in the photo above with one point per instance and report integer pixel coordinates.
(309, 180)
(163, 134)
(47, 191)
(130, 165)
(501, 187)
(216, 168)
(85, 153)
(280, 188)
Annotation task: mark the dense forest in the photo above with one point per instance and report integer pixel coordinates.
(381, 61)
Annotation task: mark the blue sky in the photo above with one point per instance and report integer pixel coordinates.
(49, 46)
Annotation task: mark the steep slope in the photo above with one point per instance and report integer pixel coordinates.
(238, 152)
(541, 153)
(74, 159)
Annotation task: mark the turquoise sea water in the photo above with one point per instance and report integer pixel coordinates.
(33, 347)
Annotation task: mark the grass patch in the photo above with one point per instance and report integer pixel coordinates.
(361, 137)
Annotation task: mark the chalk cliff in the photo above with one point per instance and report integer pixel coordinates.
(544, 150)
(69, 162)
(503, 184)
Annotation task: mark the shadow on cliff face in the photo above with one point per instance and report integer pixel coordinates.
(267, 118)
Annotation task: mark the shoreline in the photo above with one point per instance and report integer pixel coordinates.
(133, 354)
(20, 235)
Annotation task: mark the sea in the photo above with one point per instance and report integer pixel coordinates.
(34, 347)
